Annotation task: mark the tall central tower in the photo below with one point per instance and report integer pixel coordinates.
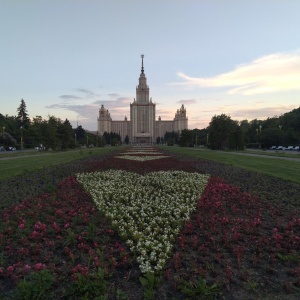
(142, 113)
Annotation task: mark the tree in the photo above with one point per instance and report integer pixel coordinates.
(171, 142)
(126, 140)
(22, 117)
(186, 138)
(170, 135)
(221, 128)
(80, 135)
(106, 136)
(65, 134)
(114, 142)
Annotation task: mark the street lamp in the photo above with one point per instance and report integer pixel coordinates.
(260, 136)
(87, 140)
(207, 140)
(75, 140)
(21, 137)
(3, 129)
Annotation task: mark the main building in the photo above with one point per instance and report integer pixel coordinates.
(142, 128)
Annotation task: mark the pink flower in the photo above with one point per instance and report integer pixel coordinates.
(40, 226)
(27, 268)
(39, 266)
(56, 227)
(22, 226)
(67, 225)
(10, 270)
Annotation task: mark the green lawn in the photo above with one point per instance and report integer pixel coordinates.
(19, 163)
(284, 169)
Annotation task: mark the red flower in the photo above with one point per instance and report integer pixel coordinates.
(10, 270)
(39, 266)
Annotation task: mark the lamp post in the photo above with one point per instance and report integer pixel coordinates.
(3, 129)
(21, 137)
(87, 140)
(207, 140)
(75, 140)
(260, 136)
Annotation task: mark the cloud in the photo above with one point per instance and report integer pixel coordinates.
(261, 112)
(88, 113)
(86, 92)
(86, 95)
(268, 74)
(189, 101)
(113, 95)
(69, 97)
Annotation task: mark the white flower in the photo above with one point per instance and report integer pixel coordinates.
(147, 211)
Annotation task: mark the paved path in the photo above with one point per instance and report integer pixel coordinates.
(265, 156)
(258, 155)
(19, 156)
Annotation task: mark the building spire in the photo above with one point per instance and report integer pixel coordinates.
(142, 56)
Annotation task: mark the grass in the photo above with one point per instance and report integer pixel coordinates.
(284, 169)
(24, 162)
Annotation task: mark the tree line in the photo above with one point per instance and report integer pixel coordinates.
(54, 133)
(225, 133)
(222, 133)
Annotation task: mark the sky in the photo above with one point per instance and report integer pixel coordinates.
(66, 58)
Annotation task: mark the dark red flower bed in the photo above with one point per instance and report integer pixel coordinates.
(244, 245)
(235, 246)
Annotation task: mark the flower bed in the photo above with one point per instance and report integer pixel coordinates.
(147, 211)
(234, 246)
(141, 158)
(141, 152)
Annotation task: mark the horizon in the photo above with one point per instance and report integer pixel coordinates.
(66, 58)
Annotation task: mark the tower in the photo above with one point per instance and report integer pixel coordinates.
(180, 120)
(142, 113)
(104, 121)
(142, 128)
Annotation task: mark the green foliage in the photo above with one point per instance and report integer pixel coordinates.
(35, 286)
(51, 188)
(121, 295)
(290, 257)
(149, 281)
(71, 237)
(22, 117)
(170, 135)
(199, 289)
(224, 133)
(80, 135)
(171, 142)
(126, 140)
(111, 138)
(114, 142)
(186, 138)
(88, 287)
(252, 285)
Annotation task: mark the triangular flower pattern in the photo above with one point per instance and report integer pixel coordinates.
(141, 158)
(147, 211)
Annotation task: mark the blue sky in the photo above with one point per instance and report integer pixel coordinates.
(67, 57)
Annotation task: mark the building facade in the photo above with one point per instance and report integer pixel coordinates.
(142, 128)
